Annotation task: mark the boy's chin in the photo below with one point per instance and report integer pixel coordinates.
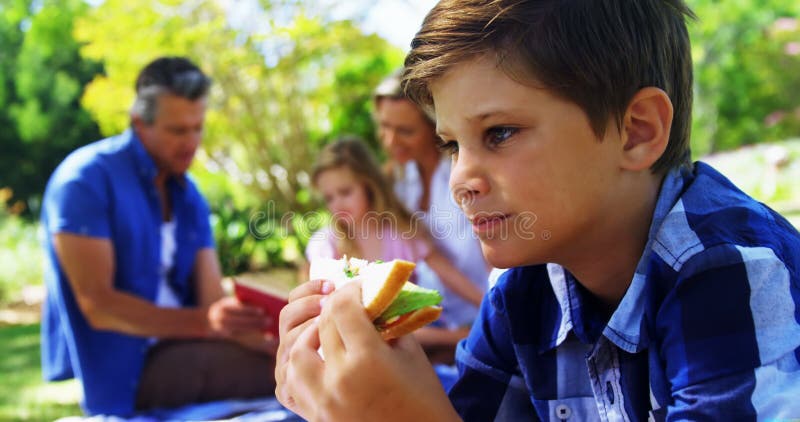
(507, 254)
(500, 258)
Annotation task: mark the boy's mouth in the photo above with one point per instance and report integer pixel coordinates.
(483, 223)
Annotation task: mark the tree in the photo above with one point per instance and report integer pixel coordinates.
(742, 75)
(41, 81)
(281, 88)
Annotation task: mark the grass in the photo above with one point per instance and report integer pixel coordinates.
(23, 394)
(20, 256)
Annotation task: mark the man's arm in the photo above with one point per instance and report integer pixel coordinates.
(208, 276)
(89, 265)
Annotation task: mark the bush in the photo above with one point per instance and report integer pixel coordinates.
(254, 239)
(20, 252)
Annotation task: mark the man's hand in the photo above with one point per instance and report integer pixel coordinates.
(229, 317)
(260, 342)
(362, 377)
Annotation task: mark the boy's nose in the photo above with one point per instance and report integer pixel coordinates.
(467, 179)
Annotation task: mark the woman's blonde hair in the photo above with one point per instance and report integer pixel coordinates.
(385, 209)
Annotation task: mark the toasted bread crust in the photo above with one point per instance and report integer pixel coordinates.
(399, 274)
(411, 322)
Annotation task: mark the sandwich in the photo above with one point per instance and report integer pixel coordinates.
(394, 305)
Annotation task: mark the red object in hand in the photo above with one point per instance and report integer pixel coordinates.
(270, 300)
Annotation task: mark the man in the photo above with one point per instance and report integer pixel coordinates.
(134, 308)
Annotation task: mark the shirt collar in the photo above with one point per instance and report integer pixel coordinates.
(145, 165)
(626, 327)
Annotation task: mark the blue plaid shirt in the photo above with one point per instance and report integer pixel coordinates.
(709, 328)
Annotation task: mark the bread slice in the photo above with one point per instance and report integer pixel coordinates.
(410, 322)
(381, 283)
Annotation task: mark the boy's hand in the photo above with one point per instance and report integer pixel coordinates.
(304, 305)
(362, 377)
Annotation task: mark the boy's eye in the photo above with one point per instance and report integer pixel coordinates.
(497, 135)
(447, 147)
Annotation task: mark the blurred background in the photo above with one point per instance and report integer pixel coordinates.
(290, 75)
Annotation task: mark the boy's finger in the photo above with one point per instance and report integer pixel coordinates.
(285, 348)
(408, 344)
(288, 339)
(356, 330)
(298, 312)
(305, 371)
(313, 287)
(333, 349)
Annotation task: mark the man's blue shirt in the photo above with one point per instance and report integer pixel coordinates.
(709, 328)
(106, 190)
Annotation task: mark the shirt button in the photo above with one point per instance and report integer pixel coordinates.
(563, 412)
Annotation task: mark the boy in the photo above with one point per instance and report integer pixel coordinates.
(643, 286)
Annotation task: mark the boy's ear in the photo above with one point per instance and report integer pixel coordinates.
(646, 128)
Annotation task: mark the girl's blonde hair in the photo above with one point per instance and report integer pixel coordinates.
(385, 209)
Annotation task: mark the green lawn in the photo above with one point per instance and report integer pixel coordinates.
(23, 394)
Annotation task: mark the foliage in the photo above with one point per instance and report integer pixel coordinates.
(21, 257)
(23, 394)
(260, 238)
(743, 91)
(280, 88)
(41, 80)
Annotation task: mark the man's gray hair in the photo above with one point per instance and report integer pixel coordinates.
(167, 75)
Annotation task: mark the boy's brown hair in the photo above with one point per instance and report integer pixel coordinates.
(595, 53)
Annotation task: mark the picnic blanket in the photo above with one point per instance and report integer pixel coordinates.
(265, 409)
(261, 410)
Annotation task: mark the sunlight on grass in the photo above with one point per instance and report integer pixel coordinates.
(24, 396)
(59, 393)
(45, 401)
